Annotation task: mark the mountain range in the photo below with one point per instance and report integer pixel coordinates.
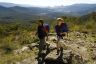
(12, 11)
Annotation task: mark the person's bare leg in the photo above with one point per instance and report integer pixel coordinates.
(58, 46)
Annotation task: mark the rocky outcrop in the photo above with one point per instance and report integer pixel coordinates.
(77, 49)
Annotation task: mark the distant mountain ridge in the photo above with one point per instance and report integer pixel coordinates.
(75, 8)
(26, 11)
(5, 4)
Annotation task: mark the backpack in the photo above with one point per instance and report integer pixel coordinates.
(64, 27)
(46, 28)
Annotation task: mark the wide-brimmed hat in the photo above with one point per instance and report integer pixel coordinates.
(60, 19)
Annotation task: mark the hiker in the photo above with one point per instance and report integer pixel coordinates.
(41, 35)
(64, 27)
(59, 35)
(60, 29)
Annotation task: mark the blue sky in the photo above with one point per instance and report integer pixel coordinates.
(49, 2)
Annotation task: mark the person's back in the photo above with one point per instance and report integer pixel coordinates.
(41, 32)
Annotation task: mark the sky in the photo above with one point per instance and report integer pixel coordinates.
(49, 2)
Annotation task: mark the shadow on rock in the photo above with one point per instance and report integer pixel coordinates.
(60, 59)
(41, 57)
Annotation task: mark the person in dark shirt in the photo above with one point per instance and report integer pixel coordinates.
(64, 28)
(58, 29)
(41, 35)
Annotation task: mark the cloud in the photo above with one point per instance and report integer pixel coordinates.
(49, 2)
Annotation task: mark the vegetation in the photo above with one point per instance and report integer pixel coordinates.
(17, 34)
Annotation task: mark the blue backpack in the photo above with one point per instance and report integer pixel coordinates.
(47, 28)
(64, 27)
